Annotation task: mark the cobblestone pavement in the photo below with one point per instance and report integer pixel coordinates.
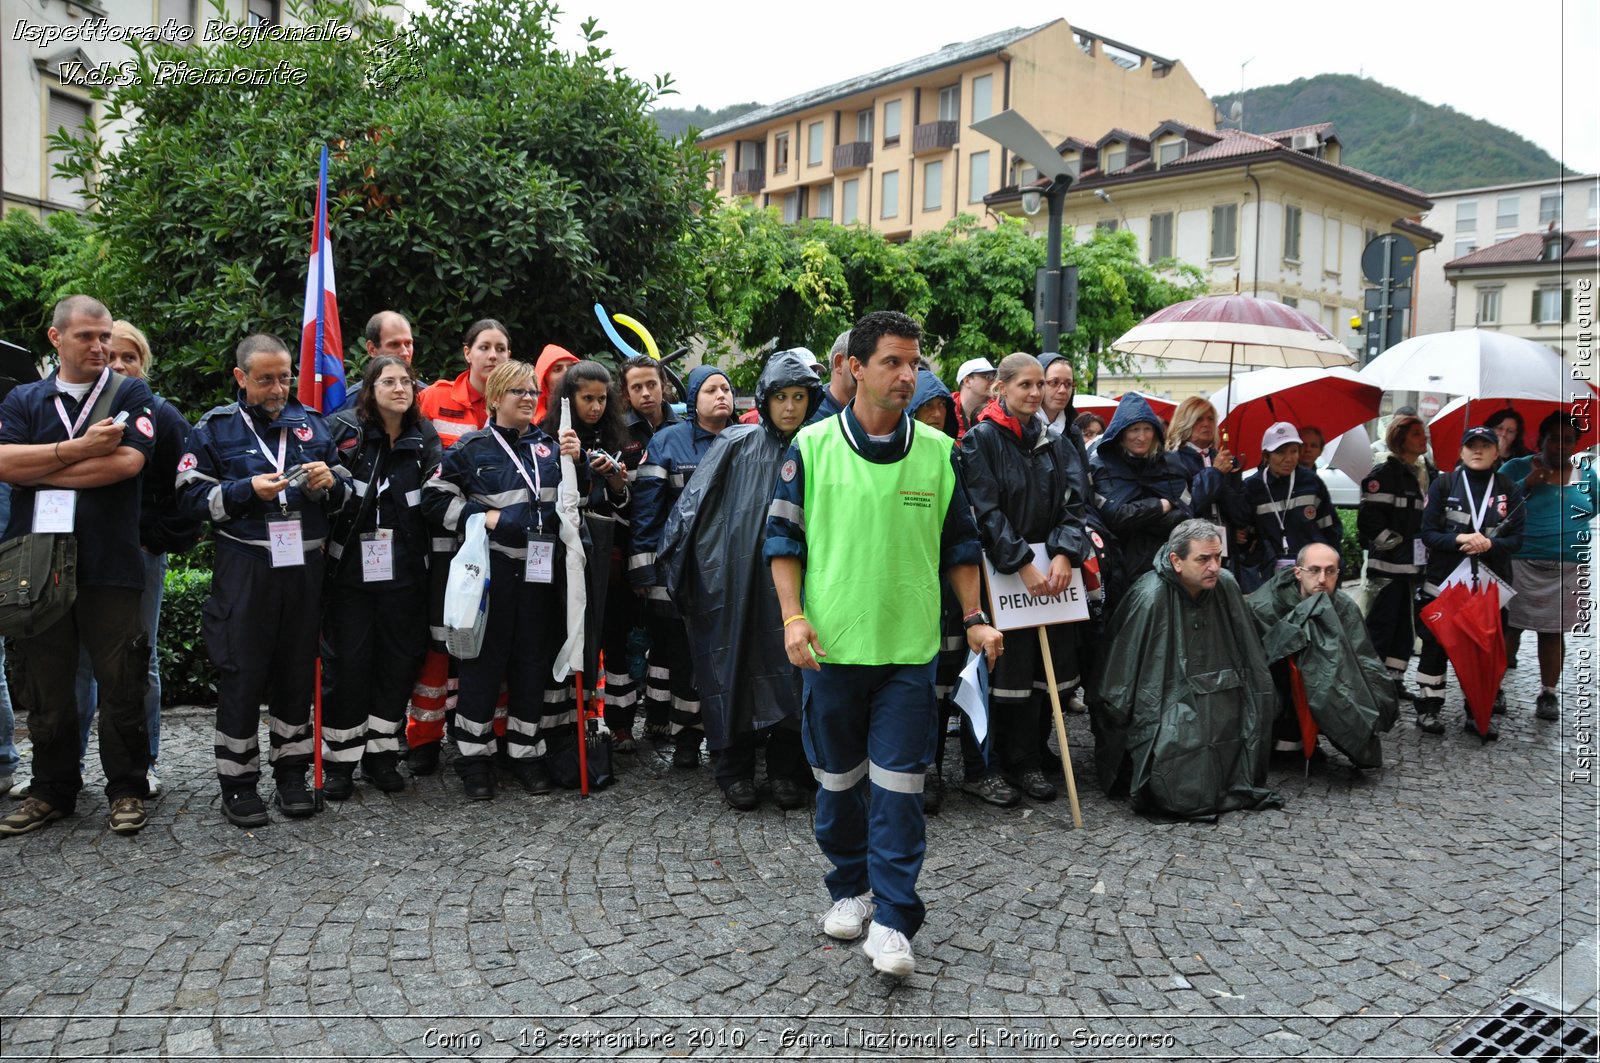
(1370, 918)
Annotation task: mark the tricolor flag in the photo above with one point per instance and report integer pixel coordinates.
(321, 345)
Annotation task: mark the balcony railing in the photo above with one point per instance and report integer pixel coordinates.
(935, 136)
(855, 155)
(748, 182)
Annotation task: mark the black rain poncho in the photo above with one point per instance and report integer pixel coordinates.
(1183, 711)
(711, 563)
(1348, 689)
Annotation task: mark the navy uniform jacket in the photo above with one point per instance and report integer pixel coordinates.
(669, 462)
(478, 476)
(224, 453)
(1307, 516)
(397, 472)
(106, 519)
(1449, 514)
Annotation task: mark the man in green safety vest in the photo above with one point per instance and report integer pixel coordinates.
(867, 511)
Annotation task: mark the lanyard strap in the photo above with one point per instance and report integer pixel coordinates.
(1477, 513)
(1278, 510)
(535, 485)
(283, 442)
(72, 427)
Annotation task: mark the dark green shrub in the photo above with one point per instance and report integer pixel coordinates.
(187, 675)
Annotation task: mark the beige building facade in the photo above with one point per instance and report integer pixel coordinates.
(1533, 285)
(52, 55)
(893, 150)
(1475, 219)
(1277, 216)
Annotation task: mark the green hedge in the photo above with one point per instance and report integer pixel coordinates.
(187, 675)
(1350, 548)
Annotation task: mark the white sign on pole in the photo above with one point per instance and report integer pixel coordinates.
(1013, 607)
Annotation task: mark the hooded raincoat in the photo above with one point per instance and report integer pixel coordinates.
(1129, 490)
(712, 565)
(1183, 712)
(1348, 689)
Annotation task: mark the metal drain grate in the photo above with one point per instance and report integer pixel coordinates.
(1524, 1030)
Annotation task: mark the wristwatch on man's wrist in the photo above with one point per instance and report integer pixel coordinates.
(975, 618)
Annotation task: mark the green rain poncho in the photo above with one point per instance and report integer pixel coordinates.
(1348, 689)
(1185, 704)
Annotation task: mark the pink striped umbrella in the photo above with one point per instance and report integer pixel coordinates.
(1236, 329)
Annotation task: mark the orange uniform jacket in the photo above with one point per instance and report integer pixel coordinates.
(455, 407)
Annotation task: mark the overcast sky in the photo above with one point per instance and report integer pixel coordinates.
(1531, 66)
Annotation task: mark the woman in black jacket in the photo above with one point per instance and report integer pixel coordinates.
(1019, 478)
(375, 614)
(1141, 490)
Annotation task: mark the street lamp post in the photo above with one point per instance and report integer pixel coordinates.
(1018, 136)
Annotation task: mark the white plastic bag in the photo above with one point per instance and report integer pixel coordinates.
(466, 595)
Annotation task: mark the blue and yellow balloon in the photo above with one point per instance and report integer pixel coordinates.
(632, 325)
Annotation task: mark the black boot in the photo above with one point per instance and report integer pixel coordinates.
(424, 759)
(1428, 715)
(338, 781)
(382, 770)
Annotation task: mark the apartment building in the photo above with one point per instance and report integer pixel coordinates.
(1525, 285)
(1275, 215)
(1474, 219)
(892, 149)
(53, 53)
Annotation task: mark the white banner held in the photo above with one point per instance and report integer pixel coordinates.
(1013, 607)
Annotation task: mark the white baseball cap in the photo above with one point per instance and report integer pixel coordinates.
(1277, 435)
(973, 365)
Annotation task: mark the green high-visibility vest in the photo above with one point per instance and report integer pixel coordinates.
(872, 545)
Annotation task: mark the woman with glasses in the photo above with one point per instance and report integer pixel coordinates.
(508, 471)
(375, 603)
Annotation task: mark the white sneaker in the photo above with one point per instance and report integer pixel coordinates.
(846, 918)
(152, 781)
(890, 950)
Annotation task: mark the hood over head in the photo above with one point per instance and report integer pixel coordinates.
(931, 389)
(552, 355)
(793, 368)
(1132, 410)
(697, 378)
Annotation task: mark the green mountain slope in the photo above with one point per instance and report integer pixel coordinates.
(1398, 136)
(673, 121)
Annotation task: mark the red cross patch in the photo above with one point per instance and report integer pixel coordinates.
(303, 433)
(1310, 513)
(186, 463)
(541, 450)
(1372, 487)
(789, 469)
(145, 428)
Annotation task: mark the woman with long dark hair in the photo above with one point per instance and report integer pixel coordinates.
(597, 418)
(375, 615)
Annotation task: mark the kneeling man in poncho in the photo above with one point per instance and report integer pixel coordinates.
(1185, 701)
(1343, 690)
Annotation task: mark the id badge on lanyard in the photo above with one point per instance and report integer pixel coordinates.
(285, 541)
(541, 566)
(377, 556)
(55, 509)
(1419, 552)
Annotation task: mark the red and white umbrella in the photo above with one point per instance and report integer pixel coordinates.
(1098, 405)
(1333, 399)
(1458, 415)
(1237, 330)
(1162, 408)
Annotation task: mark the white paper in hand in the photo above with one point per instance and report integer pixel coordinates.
(972, 695)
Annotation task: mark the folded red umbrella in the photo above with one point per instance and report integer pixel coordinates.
(1302, 709)
(1466, 621)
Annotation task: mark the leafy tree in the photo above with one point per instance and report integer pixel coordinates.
(39, 264)
(477, 170)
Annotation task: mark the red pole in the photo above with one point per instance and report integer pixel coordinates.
(583, 739)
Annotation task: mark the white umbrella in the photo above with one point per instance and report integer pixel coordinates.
(1476, 363)
(1350, 453)
(570, 659)
(1235, 330)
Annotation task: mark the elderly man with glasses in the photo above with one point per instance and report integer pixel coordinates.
(1323, 662)
(260, 470)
